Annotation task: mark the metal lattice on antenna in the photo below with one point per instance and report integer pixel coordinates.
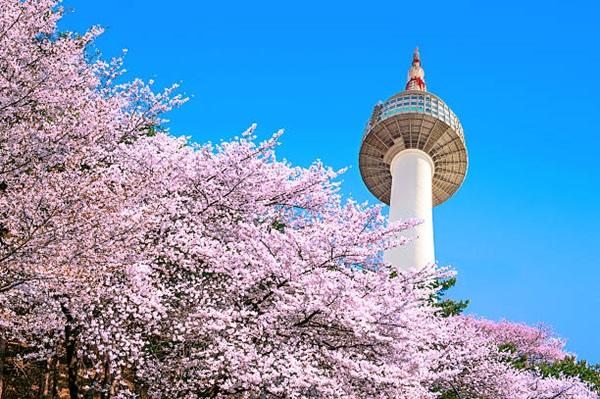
(416, 74)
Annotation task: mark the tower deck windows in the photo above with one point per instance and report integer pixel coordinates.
(428, 104)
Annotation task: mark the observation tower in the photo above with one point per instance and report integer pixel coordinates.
(413, 157)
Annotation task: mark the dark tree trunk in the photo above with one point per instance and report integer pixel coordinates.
(54, 387)
(71, 334)
(2, 356)
(107, 381)
(71, 357)
(42, 378)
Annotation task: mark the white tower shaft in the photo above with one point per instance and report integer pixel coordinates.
(411, 197)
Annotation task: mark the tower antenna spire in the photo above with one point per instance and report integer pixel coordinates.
(416, 74)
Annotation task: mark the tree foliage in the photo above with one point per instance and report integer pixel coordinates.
(447, 307)
(571, 367)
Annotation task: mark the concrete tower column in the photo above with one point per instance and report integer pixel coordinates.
(411, 197)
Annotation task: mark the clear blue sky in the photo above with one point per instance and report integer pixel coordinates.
(523, 231)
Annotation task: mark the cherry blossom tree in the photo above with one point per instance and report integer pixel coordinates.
(487, 362)
(67, 220)
(135, 264)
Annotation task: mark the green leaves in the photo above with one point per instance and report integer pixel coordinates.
(279, 226)
(153, 129)
(520, 362)
(447, 307)
(569, 367)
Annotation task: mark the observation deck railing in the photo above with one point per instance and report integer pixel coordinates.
(414, 102)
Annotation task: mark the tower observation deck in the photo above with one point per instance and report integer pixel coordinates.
(413, 156)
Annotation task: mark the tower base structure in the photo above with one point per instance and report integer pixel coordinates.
(412, 172)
